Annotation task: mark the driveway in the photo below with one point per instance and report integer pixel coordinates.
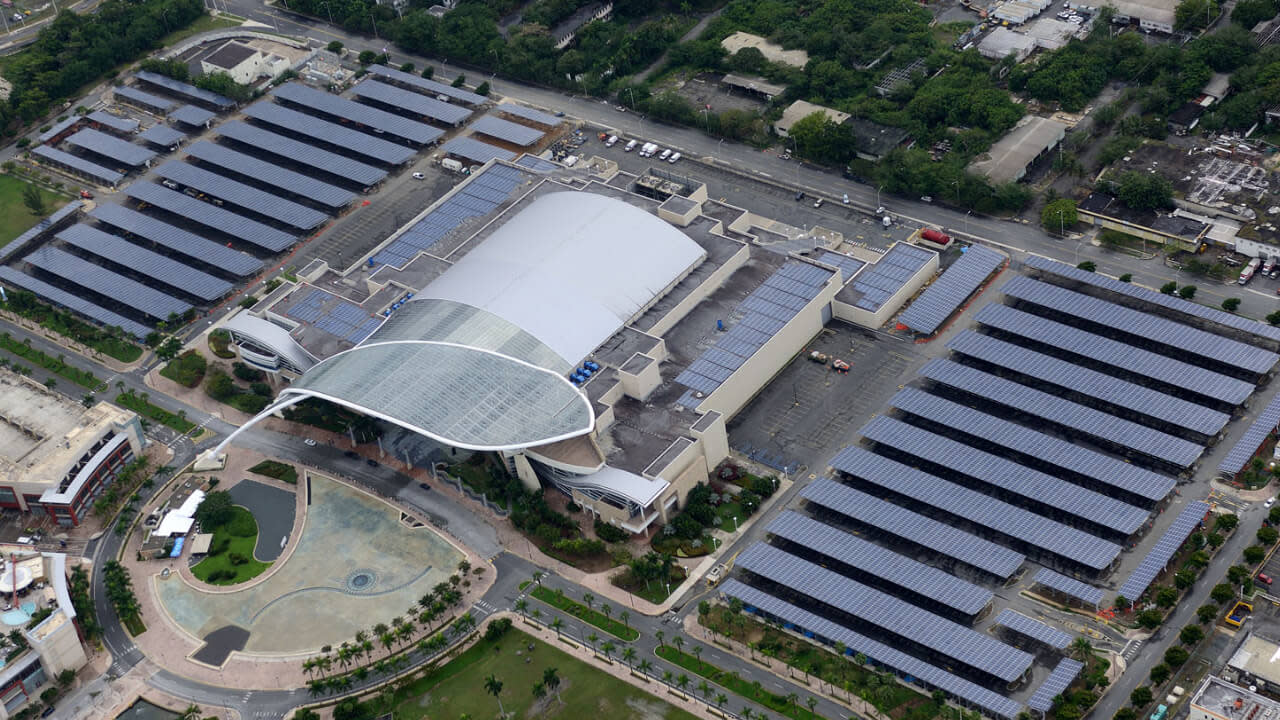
(273, 508)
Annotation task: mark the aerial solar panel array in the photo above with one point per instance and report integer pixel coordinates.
(160, 268)
(271, 174)
(106, 283)
(336, 135)
(941, 299)
(301, 153)
(250, 198)
(431, 87)
(211, 216)
(177, 240)
(377, 120)
(415, 103)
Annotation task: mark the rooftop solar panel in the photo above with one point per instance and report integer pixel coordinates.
(1183, 338)
(1007, 475)
(39, 229)
(274, 175)
(106, 176)
(1160, 554)
(923, 531)
(899, 570)
(416, 103)
(1100, 426)
(74, 303)
(886, 612)
(115, 122)
(330, 104)
(506, 130)
(58, 128)
(106, 283)
(1033, 629)
(1069, 586)
(250, 231)
(162, 135)
(1105, 469)
(886, 277)
(1069, 376)
(146, 100)
(934, 677)
(154, 265)
(1114, 353)
(1048, 535)
(1244, 448)
(926, 313)
(335, 134)
(191, 115)
(536, 164)
(244, 196)
(177, 240)
(429, 86)
(113, 147)
(186, 90)
(849, 266)
(476, 151)
(1168, 302)
(1054, 685)
(530, 114)
(302, 153)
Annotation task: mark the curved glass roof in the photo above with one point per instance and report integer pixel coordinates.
(457, 374)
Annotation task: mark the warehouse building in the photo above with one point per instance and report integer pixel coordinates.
(56, 455)
(1011, 156)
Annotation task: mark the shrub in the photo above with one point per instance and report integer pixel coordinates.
(1160, 673)
(1191, 634)
(238, 559)
(1254, 554)
(1231, 304)
(1088, 266)
(460, 80)
(1206, 613)
(246, 373)
(1186, 292)
(334, 46)
(1268, 535)
(261, 389)
(1169, 287)
(1150, 619)
(610, 533)
(1176, 656)
(366, 57)
(1141, 696)
(483, 88)
(497, 629)
(187, 369)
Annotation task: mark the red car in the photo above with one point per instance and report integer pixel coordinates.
(1265, 579)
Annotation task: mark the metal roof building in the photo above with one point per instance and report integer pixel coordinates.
(476, 151)
(162, 135)
(192, 115)
(535, 116)
(121, 125)
(1011, 155)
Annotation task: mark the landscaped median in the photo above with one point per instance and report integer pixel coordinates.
(558, 600)
(788, 705)
(56, 365)
(144, 408)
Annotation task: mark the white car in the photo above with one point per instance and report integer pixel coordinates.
(309, 442)
(419, 176)
(674, 157)
(1270, 501)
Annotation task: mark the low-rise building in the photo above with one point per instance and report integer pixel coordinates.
(54, 644)
(566, 31)
(243, 63)
(1174, 229)
(874, 140)
(1217, 699)
(1255, 662)
(1011, 155)
(57, 456)
(802, 109)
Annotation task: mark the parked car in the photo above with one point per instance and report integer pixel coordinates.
(371, 462)
(419, 176)
(1270, 501)
(674, 157)
(352, 454)
(309, 442)
(817, 203)
(799, 195)
(1264, 579)
(424, 486)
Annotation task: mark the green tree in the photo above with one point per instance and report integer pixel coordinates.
(1059, 215)
(1150, 619)
(1125, 713)
(335, 46)
(1140, 697)
(366, 57)
(1166, 597)
(483, 88)
(1127, 277)
(1160, 673)
(1194, 14)
(34, 201)
(1176, 656)
(1143, 191)
(1222, 593)
(1206, 613)
(1231, 304)
(1186, 292)
(1088, 266)
(819, 139)
(1273, 317)
(1169, 287)
(1190, 635)
(1267, 535)
(1254, 554)
(493, 686)
(1226, 521)
(1184, 579)
(215, 510)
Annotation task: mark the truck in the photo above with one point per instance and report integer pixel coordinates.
(936, 237)
(1160, 712)
(451, 165)
(649, 149)
(1247, 273)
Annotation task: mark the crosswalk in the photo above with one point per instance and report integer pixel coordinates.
(1131, 650)
(485, 609)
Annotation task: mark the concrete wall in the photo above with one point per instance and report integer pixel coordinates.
(712, 283)
(61, 649)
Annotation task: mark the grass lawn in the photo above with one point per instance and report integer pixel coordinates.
(204, 23)
(457, 690)
(588, 615)
(736, 685)
(728, 511)
(52, 364)
(15, 218)
(237, 537)
(147, 410)
(277, 470)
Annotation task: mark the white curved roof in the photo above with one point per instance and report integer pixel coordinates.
(272, 337)
(571, 269)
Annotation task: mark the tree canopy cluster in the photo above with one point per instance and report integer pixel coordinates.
(74, 50)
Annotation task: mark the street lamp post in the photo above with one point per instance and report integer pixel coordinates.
(735, 523)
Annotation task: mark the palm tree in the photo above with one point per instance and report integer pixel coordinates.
(1082, 649)
(537, 577)
(539, 690)
(315, 687)
(697, 652)
(607, 609)
(682, 681)
(625, 617)
(556, 624)
(593, 639)
(660, 635)
(793, 699)
(608, 649)
(388, 639)
(812, 702)
(493, 686)
(191, 713)
(668, 677)
(522, 606)
(629, 655)
(679, 643)
(746, 713)
(588, 598)
(721, 699)
(537, 614)
(644, 666)
(552, 681)
(309, 666)
(704, 688)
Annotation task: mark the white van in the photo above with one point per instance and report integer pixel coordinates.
(674, 157)
(631, 145)
(613, 140)
(665, 154)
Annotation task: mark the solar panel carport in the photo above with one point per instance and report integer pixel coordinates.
(112, 147)
(1162, 552)
(1075, 378)
(1247, 445)
(91, 170)
(75, 303)
(154, 265)
(430, 86)
(886, 277)
(1168, 302)
(162, 135)
(1181, 338)
(115, 122)
(177, 240)
(1033, 629)
(192, 115)
(1095, 424)
(1113, 353)
(244, 196)
(928, 582)
(186, 90)
(415, 103)
(1106, 469)
(925, 532)
(144, 100)
(1054, 685)
(926, 313)
(1069, 586)
(855, 643)
(378, 120)
(302, 153)
(506, 131)
(971, 506)
(885, 612)
(106, 283)
(203, 213)
(1008, 476)
(476, 151)
(339, 136)
(529, 114)
(274, 175)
